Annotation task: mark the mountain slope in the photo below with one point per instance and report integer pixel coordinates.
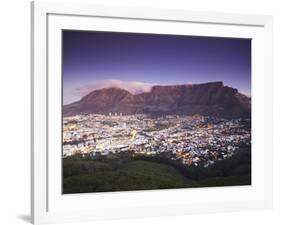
(212, 99)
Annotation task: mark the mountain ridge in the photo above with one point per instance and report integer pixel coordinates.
(212, 99)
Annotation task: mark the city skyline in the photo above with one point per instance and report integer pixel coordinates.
(94, 59)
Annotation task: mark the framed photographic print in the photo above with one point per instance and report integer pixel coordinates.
(149, 112)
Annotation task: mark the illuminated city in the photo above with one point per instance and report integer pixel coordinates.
(192, 139)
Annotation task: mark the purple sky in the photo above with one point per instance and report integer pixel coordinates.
(91, 57)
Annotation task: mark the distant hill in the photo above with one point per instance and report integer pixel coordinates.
(211, 99)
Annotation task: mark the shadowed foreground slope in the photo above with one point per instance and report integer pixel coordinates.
(113, 173)
(137, 175)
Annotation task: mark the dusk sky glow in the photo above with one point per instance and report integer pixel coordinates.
(90, 57)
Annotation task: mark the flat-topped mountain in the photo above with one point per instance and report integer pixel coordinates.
(210, 99)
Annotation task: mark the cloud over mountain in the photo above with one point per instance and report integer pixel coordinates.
(134, 87)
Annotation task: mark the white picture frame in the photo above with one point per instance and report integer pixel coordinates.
(48, 205)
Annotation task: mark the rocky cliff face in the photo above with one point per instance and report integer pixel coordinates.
(212, 99)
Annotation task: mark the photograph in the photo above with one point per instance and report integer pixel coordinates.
(148, 111)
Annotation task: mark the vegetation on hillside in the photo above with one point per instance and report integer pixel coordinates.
(124, 172)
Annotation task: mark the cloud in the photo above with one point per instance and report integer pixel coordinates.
(133, 87)
(246, 93)
(71, 95)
